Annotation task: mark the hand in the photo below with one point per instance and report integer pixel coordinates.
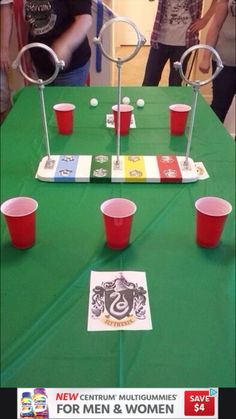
(4, 59)
(197, 25)
(204, 65)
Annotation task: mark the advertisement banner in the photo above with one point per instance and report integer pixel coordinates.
(123, 403)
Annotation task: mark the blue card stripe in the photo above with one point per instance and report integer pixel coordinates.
(66, 169)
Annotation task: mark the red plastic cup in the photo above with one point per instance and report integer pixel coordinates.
(125, 118)
(64, 113)
(178, 118)
(20, 217)
(118, 215)
(211, 214)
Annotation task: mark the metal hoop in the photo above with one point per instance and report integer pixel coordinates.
(140, 40)
(179, 65)
(59, 64)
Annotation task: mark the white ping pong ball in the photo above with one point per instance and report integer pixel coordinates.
(126, 100)
(140, 103)
(94, 102)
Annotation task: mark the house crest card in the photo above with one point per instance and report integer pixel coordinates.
(110, 121)
(201, 171)
(118, 301)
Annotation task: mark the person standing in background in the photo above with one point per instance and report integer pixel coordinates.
(175, 29)
(221, 36)
(6, 29)
(62, 25)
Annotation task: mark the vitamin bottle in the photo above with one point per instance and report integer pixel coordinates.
(40, 403)
(27, 409)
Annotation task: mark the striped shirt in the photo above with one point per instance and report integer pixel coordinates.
(195, 10)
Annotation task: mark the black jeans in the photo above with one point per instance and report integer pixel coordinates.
(156, 62)
(224, 86)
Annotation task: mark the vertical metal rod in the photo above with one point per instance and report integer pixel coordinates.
(118, 115)
(190, 132)
(44, 119)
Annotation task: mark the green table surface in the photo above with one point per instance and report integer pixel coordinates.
(45, 289)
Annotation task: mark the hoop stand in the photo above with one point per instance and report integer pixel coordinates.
(59, 64)
(140, 42)
(196, 87)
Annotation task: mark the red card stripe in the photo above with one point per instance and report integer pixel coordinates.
(169, 169)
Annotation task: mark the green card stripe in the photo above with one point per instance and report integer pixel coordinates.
(100, 169)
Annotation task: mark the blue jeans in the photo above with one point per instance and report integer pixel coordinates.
(77, 77)
(157, 60)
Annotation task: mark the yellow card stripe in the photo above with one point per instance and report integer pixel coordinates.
(135, 169)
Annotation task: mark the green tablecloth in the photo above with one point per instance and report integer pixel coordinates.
(45, 289)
